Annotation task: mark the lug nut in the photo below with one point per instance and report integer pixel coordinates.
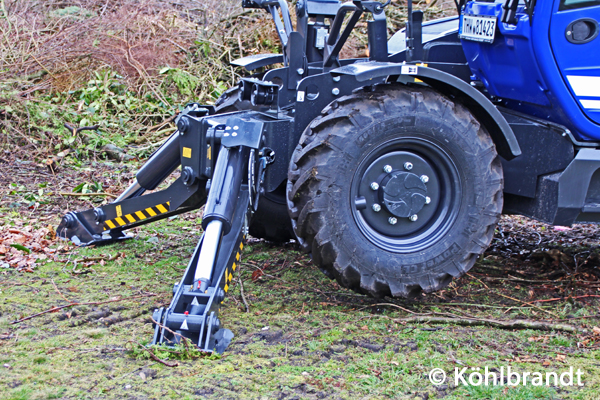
(374, 185)
(424, 178)
(387, 169)
(392, 220)
(413, 217)
(376, 207)
(408, 166)
(427, 200)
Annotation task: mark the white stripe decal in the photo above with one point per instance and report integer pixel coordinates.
(588, 86)
(590, 104)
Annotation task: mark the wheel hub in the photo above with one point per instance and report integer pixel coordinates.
(398, 193)
(403, 193)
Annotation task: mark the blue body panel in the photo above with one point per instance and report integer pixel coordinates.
(579, 63)
(520, 66)
(507, 66)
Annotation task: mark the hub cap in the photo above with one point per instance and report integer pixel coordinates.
(415, 187)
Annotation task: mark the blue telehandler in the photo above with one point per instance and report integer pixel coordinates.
(391, 170)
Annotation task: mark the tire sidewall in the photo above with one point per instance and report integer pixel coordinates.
(459, 140)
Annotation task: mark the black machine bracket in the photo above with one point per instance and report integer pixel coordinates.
(223, 160)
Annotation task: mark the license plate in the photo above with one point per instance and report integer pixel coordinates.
(478, 28)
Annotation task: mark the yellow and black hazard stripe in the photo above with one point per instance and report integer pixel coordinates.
(127, 219)
(229, 274)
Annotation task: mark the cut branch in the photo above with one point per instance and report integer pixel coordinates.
(511, 324)
(89, 194)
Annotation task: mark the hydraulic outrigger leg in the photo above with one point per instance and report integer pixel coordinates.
(228, 187)
(193, 312)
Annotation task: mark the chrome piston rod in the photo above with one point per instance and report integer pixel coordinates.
(134, 187)
(208, 255)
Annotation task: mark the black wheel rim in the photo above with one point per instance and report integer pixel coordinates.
(406, 194)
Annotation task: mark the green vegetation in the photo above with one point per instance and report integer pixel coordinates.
(303, 336)
(128, 70)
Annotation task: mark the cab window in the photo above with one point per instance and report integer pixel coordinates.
(572, 4)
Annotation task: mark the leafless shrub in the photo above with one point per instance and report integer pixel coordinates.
(56, 44)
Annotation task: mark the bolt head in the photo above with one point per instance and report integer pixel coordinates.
(408, 166)
(376, 207)
(183, 125)
(392, 220)
(335, 91)
(300, 71)
(427, 200)
(374, 185)
(387, 169)
(413, 217)
(424, 178)
(98, 215)
(336, 78)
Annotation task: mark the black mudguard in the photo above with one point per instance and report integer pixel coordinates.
(481, 107)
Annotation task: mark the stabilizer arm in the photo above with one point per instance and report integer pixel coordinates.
(230, 185)
(193, 312)
(106, 224)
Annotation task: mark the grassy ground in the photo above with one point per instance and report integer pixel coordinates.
(302, 336)
(298, 334)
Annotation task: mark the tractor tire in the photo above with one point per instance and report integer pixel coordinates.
(271, 220)
(395, 190)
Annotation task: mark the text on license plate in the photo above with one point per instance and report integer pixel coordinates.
(480, 29)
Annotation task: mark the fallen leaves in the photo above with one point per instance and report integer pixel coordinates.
(542, 338)
(23, 246)
(590, 341)
(85, 263)
(256, 275)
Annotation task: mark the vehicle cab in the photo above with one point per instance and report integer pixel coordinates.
(541, 59)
